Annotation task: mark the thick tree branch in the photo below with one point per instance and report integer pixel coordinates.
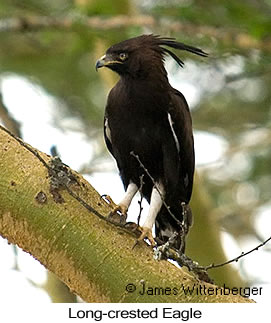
(233, 37)
(93, 257)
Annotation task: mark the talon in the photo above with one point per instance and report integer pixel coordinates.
(119, 208)
(146, 233)
(108, 200)
(118, 213)
(116, 207)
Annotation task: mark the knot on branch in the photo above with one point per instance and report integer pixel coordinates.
(61, 177)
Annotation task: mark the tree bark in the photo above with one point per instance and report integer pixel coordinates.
(94, 258)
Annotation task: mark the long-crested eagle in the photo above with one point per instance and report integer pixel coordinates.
(148, 130)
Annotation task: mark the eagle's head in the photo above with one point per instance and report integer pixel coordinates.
(142, 55)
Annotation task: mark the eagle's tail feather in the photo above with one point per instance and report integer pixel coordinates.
(166, 226)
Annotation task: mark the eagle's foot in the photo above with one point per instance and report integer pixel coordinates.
(119, 211)
(146, 233)
(119, 208)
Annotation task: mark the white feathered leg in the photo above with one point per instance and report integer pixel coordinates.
(156, 203)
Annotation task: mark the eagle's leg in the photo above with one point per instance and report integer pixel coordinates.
(155, 206)
(124, 204)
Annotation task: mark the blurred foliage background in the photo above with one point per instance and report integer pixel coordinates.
(54, 44)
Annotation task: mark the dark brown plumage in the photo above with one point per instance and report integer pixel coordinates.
(145, 115)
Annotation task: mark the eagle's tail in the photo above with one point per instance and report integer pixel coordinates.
(166, 226)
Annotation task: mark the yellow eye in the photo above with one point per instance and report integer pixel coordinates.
(123, 56)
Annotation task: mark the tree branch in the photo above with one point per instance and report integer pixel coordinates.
(243, 254)
(234, 37)
(93, 257)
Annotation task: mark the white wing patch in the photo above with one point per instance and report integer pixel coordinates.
(107, 130)
(173, 132)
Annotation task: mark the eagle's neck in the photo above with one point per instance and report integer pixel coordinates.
(147, 95)
(153, 79)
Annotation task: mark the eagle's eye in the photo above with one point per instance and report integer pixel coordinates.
(123, 56)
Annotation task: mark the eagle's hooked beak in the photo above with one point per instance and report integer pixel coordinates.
(100, 62)
(106, 60)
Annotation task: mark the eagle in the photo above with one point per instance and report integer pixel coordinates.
(148, 130)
